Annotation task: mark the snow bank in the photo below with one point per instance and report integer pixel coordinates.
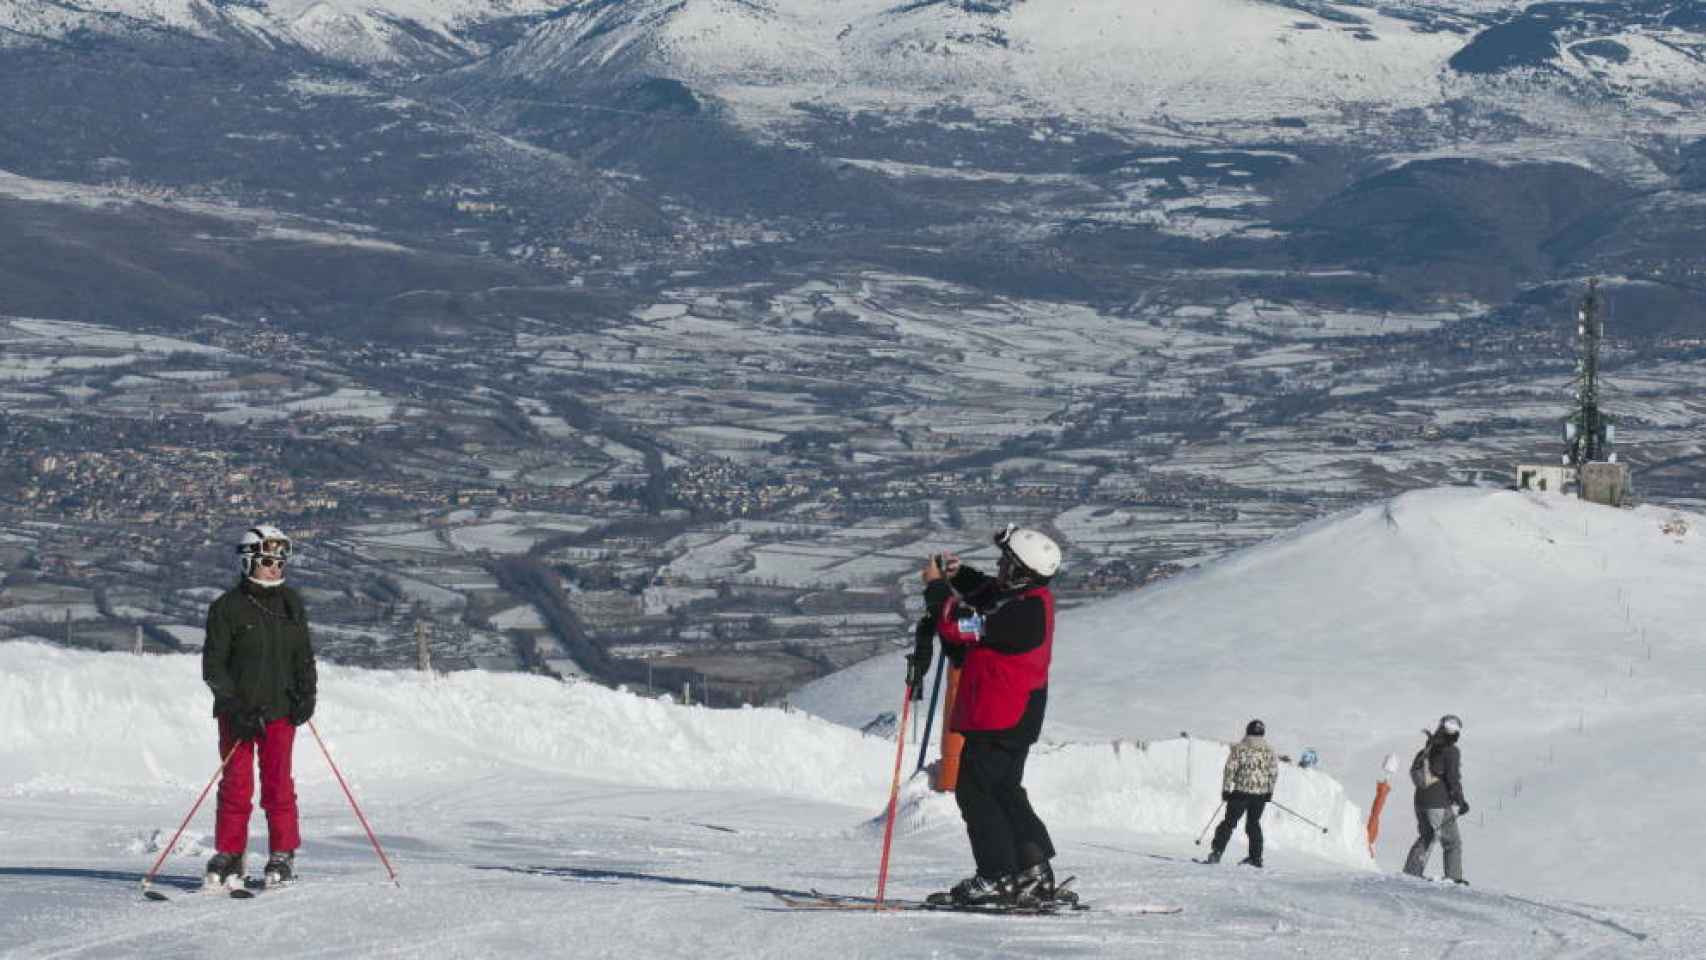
(79, 723)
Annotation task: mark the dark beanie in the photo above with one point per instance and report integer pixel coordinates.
(1255, 729)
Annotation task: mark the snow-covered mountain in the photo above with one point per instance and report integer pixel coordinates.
(368, 33)
(1236, 65)
(1565, 634)
(523, 814)
(1329, 68)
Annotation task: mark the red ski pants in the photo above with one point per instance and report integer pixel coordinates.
(237, 789)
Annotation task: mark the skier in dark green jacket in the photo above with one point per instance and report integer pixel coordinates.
(259, 662)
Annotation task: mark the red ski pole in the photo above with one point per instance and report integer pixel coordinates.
(149, 879)
(894, 795)
(353, 805)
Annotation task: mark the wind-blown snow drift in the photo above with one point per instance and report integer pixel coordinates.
(75, 722)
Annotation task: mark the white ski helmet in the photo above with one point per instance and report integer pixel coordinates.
(1451, 723)
(1030, 549)
(262, 540)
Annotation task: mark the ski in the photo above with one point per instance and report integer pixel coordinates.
(823, 901)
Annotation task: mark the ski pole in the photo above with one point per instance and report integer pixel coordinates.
(930, 718)
(1298, 815)
(353, 805)
(894, 795)
(149, 879)
(1210, 823)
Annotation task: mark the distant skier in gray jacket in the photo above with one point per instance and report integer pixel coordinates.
(1246, 786)
(1437, 773)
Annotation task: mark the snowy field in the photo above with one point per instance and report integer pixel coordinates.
(524, 815)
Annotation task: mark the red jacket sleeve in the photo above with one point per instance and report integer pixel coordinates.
(948, 625)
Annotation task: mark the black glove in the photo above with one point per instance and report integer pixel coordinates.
(1226, 796)
(301, 710)
(915, 670)
(936, 593)
(956, 654)
(247, 724)
(1463, 808)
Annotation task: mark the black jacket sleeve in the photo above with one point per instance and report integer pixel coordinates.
(1016, 627)
(216, 660)
(1451, 771)
(305, 677)
(971, 583)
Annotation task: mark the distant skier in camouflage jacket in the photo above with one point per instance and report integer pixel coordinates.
(1246, 786)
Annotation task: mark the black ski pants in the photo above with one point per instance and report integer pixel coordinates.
(1006, 834)
(1250, 807)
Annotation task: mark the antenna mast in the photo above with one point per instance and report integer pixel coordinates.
(1587, 431)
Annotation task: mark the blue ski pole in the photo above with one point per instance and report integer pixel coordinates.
(930, 717)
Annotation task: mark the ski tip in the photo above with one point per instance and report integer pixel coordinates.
(155, 895)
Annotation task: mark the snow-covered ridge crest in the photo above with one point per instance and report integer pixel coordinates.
(373, 33)
(1206, 59)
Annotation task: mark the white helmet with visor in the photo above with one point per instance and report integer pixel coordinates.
(263, 544)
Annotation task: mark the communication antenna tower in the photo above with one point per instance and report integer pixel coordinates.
(1588, 433)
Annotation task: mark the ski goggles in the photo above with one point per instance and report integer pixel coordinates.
(268, 548)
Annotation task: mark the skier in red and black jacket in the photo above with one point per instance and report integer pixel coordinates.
(1000, 630)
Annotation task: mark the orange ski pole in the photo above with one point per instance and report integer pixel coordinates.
(894, 795)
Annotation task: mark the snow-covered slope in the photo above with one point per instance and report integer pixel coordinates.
(363, 32)
(1101, 58)
(523, 814)
(1565, 634)
(1325, 70)
(1119, 64)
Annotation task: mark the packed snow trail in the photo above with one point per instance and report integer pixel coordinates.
(513, 866)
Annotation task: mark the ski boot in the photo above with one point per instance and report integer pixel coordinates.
(1035, 887)
(224, 872)
(1213, 857)
(281, 867)
(1252, 862)
(976, 891)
